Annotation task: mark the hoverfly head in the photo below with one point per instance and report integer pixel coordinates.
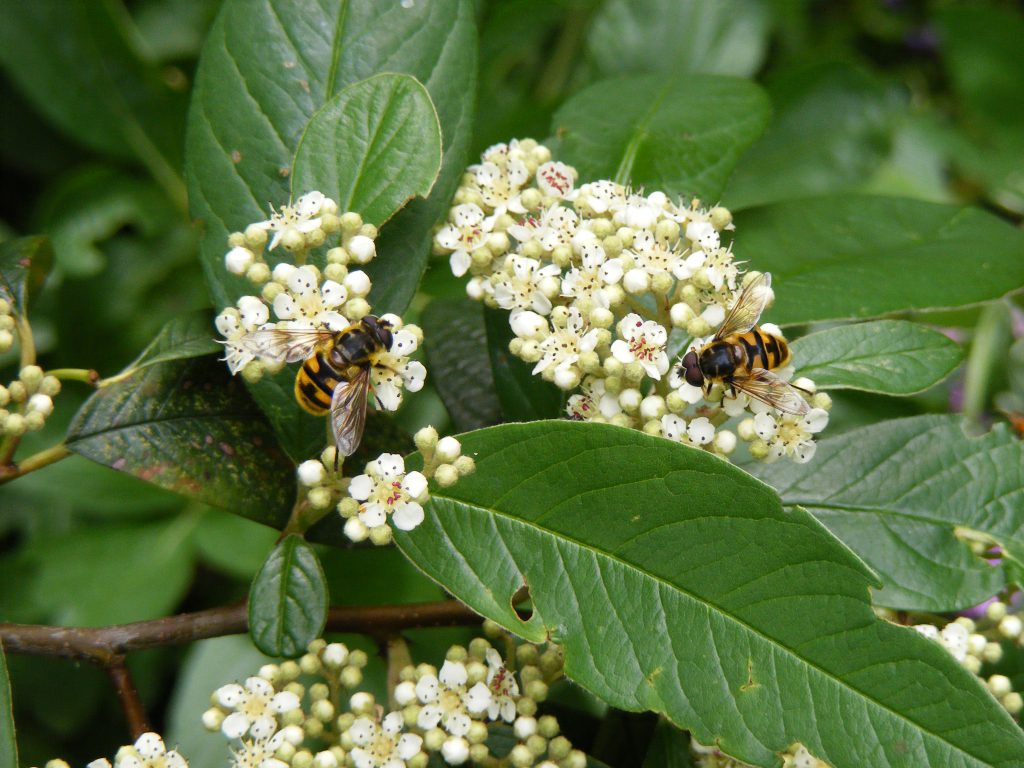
(691, 370)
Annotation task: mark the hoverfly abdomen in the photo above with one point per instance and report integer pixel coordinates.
(315, 384)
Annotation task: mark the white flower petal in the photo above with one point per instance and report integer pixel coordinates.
(414, 374)
(388, 395)
(407, 515)
(150, 745)
(235, 725)
(228, 696)
(285, 701)
(459, 261)
(414, 484)
(373, 514)
(427, 689)
(362, 731)
(408, 745)
(453, 674)
(478, 698)
(361, 487)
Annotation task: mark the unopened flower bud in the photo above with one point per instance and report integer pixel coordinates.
(356, 529)
(426, 439)
(311, 472)
(446, 475)
(1000, 685)
(238, 260)
(1010, 626)
(448, 449)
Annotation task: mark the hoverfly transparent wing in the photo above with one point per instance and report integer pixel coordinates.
(748, 307)
(348, 412)
(771, 390)
(289, 345)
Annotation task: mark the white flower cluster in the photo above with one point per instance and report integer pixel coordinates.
(797, 756)
(26, 402)
(300, 296)
(385, 494)
(605, 286)
(975, 644)
(148, 751)
(274, 721)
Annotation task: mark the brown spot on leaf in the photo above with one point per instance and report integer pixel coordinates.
(284, 172)
(236, 156)
(226, 449)
(119, 464)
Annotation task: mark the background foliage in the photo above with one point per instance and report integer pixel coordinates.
(847, 153)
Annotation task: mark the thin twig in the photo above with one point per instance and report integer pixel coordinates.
(103, 645)
(36, 461)
(134, 711)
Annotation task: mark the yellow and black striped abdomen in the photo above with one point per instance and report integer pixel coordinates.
(764, 350)
(315, 384)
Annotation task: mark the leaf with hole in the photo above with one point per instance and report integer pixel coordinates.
(892, 357)
(675, 582)
(857, 257)
(189, 427)
(288, 600)
(898, 492)
(681, 134)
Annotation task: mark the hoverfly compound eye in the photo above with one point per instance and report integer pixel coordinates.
(691, 371)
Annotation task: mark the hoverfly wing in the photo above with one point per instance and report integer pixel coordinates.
(348, 412)
(771, 390)
(748, 307)
(289, 345)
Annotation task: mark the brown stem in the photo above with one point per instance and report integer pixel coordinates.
(134, 712)
(103, 645)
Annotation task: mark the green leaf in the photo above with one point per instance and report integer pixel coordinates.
(189, 427)
(376, 144)
(724, 37)
(288, 601)
(82, 578)
(892, 357)
(677, 583)
(460, 368)
(679, 134)
(184, 337)
(523, 396)
(8, 744)
(831, 130)
(94, 204)
(74, 59)
(896, 492)
(852, 256)
(266, 68)
(24, 265)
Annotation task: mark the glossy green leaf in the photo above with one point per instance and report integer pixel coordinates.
(677, 583)
(896, 492)
(831, 129)
(892, 357)
(8, 744)
(456, 351)
(266, 68)
(189, 427)
(523, 396)
(184, 337)
(724, 37)
(680, 134)
(24, 265)
(288, 601)
(376, 144)
(851, 256)
(90, 80)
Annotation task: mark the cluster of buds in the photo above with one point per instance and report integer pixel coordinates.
(797, 756)
(975, 643)
(7, 324)
(274, 721)
(604, 287)
(385, 495)
(27, 401)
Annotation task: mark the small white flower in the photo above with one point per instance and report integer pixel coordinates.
(642, 342)
(527, 325)
(600, 196)
(523, 285)
(303, 217)
(467, 232)
(503, 688)
(556, 226)
(148, 751)
(393, 371)
(382, 745)
(555, 179)
(311, 472)
(591, 279)
(954, 637)
(455, 751)
(561, 349)
(255, 706)
(701, 431)
(447, 702)
(387, 490)
(362, 249)
(238, 260)
(703, 234)
(308, 306)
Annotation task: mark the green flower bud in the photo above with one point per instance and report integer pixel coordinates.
(381, 535)
(15, 424)
(720, 217)
(330, 223)
(351, 222)
(50, 386)
(559, 748)
(34, 421)
(537, 690)
(303, 758)
(537, 744)
(520, 756)
(322, 710)
(236, 240)
(433, 739)
(526, 707)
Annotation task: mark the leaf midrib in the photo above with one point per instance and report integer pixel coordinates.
(675, 587)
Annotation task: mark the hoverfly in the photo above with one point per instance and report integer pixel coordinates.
(741, 355)
(335, 372)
